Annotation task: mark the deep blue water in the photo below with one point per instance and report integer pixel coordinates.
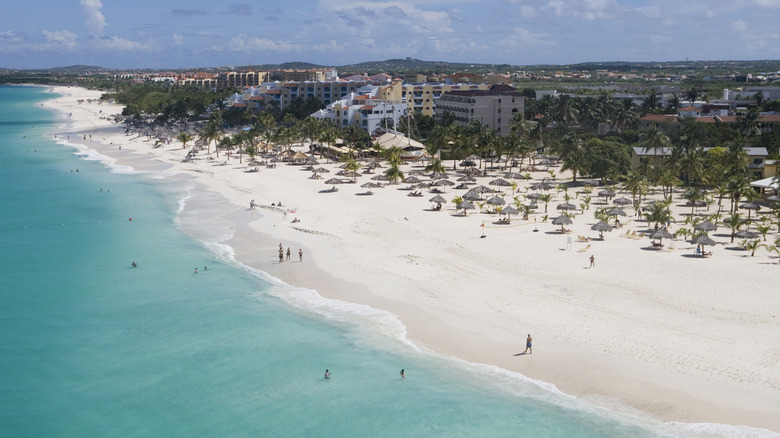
(90, 346)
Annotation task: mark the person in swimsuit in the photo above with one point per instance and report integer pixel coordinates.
(528, 342)
(327, 374)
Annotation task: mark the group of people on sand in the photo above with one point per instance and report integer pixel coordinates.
(286, 256)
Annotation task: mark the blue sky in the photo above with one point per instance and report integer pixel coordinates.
(199, 33)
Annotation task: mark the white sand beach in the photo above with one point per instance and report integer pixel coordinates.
(665, 333)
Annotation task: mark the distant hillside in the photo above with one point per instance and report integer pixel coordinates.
(412, 65)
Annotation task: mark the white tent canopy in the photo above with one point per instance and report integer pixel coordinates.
(396, 139)
(767, 183)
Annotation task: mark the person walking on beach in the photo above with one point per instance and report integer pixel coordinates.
(281, 255)
(288, 253)
(528, 342)
(300, 255)
(592, 261)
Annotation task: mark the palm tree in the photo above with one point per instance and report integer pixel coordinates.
(749, 123)
(752, 246)
(735, 222)
(651, 103)
(635, 183)
(673, 104)
(435, 166)
(211, 131)
(668, 180)
(624, 115)
(546, 198)
(692, 94)
(395, 174)
(658, 213)
(565, 111)
(184, 137)
(572, 153)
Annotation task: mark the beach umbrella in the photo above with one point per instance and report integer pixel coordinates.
(514, 175)
(562, 220)
(745, 234)
(439, 199)
(443, 182)
(417, 172)
(496, 200)
(695, 203)
(320, 170)
(750, 206)
(510, 210)
(467, 178)
(333, 182)
(773, 198)
(381, 177)
(622, 201)
(703, 240)
(370, 185)
(616, 211)
(606, 193)
(465, 205)
(601, 227)
(470, 196)
(481, 189)
(533, 196)
(661, 234)
(411, 180)
(467, 163)
(438, 175)
(706, 226)
(541, 186)
(501, 182)
(566, 206)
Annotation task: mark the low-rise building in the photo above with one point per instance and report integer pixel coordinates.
(494, 108)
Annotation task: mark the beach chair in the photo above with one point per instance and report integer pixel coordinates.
(584, 249)
(628, 233)
(581, 238)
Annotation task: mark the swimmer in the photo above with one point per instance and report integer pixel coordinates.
(403, 374)
(135, 265)
(196, 270)
(327, 374)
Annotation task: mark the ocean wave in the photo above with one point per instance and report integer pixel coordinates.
(90, 154)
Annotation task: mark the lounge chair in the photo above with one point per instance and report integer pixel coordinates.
(584, 249)
(581, 238)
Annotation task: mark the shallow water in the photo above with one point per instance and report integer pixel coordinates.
(90, 346)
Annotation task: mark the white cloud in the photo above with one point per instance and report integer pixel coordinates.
(770, 4)
(178, 40)
(96, 22)
(740, 26)
(243, 43)
(60, 38)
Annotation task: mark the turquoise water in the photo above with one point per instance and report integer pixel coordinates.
(90, 346)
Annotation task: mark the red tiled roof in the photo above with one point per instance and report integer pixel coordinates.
(689, 108)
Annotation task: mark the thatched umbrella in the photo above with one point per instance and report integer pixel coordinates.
(622, 201)
(562, 220)
(746, 234)
(465, 205)
(467, 163)
(749, 206)
(566, 206)
(510, 210)
(661, 234)
(544, 185)
(703, 240)
(705, 226)
(608, 193)
(467, 178)
(439, 200)
(601, 227)
(501, 182)
(411, 180)
(496, 200)
(370, 185)
(334, 181)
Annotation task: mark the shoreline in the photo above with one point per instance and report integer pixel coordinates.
(475, 299)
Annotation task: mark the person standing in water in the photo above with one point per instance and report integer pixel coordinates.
(403, 374)
(327, 374)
